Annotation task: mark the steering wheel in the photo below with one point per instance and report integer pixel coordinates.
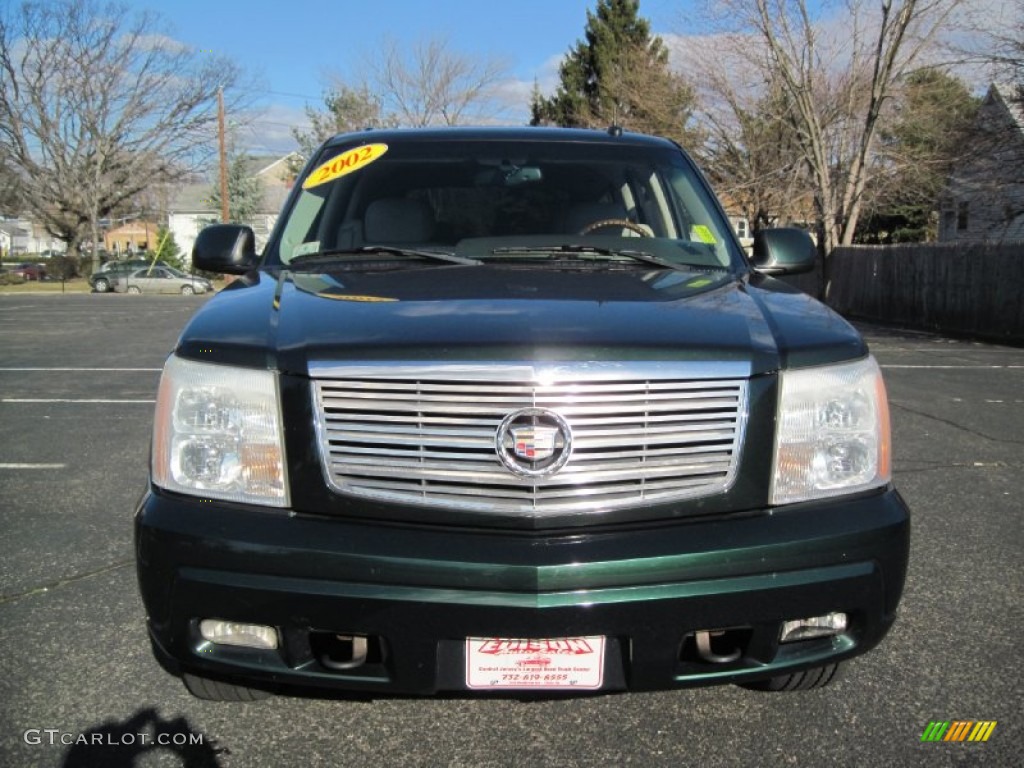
(624, 223)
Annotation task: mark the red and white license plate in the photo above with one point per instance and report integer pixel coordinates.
(565, 662)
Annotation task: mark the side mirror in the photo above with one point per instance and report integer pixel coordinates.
(783, 251)
(226, 248)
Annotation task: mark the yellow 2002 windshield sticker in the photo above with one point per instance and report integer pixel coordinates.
(343, 164)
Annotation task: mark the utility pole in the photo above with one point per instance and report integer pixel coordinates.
(224, 208)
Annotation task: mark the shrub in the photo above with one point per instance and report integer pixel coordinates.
(64, 267)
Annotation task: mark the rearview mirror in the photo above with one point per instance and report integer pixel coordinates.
(225, 248)
(508, 175)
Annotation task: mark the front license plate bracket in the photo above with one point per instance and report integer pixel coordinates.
(566, 663)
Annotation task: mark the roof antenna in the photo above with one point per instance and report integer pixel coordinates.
(615, 129)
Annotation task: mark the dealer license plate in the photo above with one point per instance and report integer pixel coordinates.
(565, 662)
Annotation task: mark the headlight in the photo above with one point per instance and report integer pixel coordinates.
(218, 433)
(833, 432)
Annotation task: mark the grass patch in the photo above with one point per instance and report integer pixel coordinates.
(75, 285)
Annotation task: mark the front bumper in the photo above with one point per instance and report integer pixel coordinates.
(419, 592)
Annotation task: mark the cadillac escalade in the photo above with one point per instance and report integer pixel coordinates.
(507, 410)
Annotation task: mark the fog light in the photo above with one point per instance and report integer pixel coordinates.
(818, 626)
(234, 633)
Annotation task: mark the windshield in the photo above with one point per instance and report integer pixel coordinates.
(505, 201)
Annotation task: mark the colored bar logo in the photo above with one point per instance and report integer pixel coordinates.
(958, 730)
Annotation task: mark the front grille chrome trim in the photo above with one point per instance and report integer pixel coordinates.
(424, 434)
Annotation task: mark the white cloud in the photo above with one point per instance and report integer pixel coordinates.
(158, 42)
(267, 129)
(514, 94)
(547, 73)
(512, 101)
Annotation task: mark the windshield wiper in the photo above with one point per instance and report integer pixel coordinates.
(334, 254)
(582, 250)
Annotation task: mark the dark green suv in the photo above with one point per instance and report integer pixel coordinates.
(510, 409)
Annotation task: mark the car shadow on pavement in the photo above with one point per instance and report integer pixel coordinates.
(128, 744)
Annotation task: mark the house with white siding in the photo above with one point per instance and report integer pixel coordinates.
(192, 208)
(984, 198)
(25, 237)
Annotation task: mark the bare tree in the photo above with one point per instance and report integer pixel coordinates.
(837, 82)
(426, 84)
(750, 149)
(345, 109)
(95, 106)
(10, 190)
(429, 83)
(1009, 54)
(993, 40)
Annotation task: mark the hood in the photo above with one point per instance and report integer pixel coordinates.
(511, 313)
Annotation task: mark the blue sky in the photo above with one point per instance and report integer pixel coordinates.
(288, 48)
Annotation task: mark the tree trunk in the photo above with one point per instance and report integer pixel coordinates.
(96, 261)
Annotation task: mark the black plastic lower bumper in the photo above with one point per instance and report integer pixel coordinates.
(417, 593)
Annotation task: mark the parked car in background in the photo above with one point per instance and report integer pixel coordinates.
(103, 280)
(27, 271)
(161, 280)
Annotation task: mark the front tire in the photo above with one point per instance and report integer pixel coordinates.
(215, 690)
(807, 680)
(101, 285)
(134, 289)
(187, 290)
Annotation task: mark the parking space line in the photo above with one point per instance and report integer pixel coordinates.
(957, 367)
(32, 466)
(80, 370)
(102, 401)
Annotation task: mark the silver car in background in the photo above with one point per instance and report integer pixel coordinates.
(161, 280)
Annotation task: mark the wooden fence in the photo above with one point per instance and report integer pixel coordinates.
(970, 288)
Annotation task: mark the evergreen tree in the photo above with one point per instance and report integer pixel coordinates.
(166, 249)
(245, 193)
(619, 74)
(926, 131)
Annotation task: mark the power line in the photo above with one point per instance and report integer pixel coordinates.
(265, 91)
(295, 95)
(250, 123)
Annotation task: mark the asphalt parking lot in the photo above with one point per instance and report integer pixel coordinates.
(78, 376)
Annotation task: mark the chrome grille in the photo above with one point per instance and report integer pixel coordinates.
(641, 433)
